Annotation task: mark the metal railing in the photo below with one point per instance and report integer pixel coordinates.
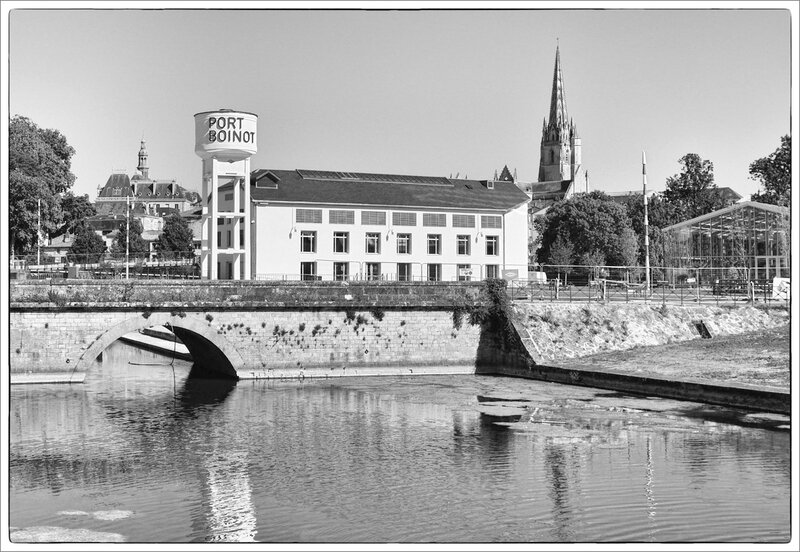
(622, 284)
(106, 266)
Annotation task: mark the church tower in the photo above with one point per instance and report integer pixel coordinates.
(560, 153)
(142, 167)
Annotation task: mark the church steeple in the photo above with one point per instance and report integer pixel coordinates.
(558, 105)
(142, 167)
(560, 147)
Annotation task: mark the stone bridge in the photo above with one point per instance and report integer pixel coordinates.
(58, 330)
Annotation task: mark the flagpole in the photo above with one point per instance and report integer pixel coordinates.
(38, 231)
(646, 228)
(127, 233)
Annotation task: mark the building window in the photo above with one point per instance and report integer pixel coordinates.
(404, 244)
(221, 221)
(373, 218)
(308, 241)
(491, 221)
(313, 216)
(241, 238)
(341, 242)
(464, 272)
(219, 240)
(492, 271)
(492, 245)
(373, 271)
(404, 218)
(434, 244)
(463, 221)
(434, 219)
(228, 237)
(336, 216)
(308, 271)
(373, 242)
(462, 244)
(341, 271)
(434, 272)
(403, 272)
(229, 197)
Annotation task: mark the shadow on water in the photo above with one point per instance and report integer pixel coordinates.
(202, 389)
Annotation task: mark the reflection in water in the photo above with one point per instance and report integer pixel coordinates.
(648, 489)
(558, 490)
(383, 460)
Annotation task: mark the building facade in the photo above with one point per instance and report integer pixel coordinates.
(145, 195)
(326, 225)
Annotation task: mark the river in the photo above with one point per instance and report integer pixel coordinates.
(140, 453)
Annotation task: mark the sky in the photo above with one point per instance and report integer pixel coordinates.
(425, 92)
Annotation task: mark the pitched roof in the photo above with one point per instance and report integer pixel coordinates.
(116, 181)
(777, 209)
(346, 188)
(547, 187)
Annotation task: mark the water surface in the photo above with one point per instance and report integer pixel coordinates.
(140, 453)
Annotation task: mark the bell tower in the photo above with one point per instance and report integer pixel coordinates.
(142, 166)
(560, 151)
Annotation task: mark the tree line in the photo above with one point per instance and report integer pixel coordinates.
(42, 203)
(594, 230)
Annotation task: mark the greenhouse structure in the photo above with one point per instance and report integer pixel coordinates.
(746, 241)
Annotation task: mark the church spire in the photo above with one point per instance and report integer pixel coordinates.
(560, 150)
(142, 167)
(558, 105)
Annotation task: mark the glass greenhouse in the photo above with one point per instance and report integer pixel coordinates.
(747, 240)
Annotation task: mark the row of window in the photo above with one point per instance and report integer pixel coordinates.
(399, 218)
(372, 271)
(341, 243)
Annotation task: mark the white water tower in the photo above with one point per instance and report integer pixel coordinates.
(225, 140)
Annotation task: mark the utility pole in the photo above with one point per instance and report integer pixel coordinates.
(127, 233)
(38, 231)
(646, 230)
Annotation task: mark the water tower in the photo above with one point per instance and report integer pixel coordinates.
(225, 139)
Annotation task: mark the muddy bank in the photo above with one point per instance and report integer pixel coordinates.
(562, 331)
(759, 358)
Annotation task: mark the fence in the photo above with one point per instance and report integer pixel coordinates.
(626, 284)
(106, 266)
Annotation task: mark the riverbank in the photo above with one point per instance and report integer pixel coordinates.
(558, 332)
(760, 358)
(730, 356)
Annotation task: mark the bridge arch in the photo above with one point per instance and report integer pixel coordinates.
(210, 351)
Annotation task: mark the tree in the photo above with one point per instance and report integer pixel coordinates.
(39, 162)
(628, 247)
(75, 210)
(692, 192)
(561, 255)
(774, 173)
(660, 214)
(87, 247)
(593, 223)
(176, 240)
(136, 246)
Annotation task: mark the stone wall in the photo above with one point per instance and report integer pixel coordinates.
(244, 294)
(255, 330)
(555, 331)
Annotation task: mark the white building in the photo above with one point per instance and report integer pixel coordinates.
(328, 225)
